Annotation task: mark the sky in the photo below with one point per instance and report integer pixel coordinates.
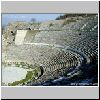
(6, 18)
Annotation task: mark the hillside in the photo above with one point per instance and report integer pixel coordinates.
(65, 50)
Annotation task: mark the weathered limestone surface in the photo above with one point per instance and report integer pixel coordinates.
(58, 46)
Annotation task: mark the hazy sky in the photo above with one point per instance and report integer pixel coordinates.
(6, 18)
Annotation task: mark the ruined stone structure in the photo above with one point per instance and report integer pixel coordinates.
(19, 39)
(67, 47)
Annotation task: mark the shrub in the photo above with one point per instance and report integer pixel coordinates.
(69, 21)
(50, 24)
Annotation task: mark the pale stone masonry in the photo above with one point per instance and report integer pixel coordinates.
(19, 40)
